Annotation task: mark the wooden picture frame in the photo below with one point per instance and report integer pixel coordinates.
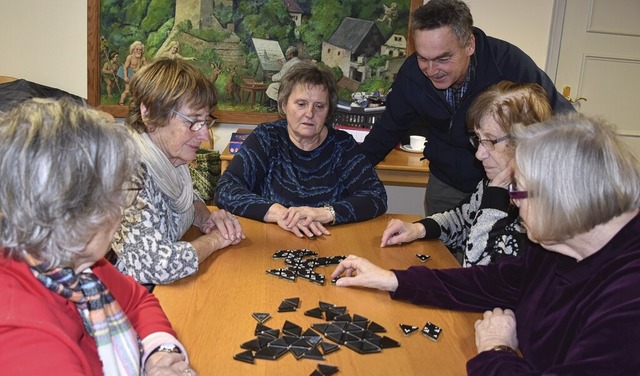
(94, 74)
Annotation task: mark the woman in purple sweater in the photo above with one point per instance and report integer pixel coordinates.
(571, 302)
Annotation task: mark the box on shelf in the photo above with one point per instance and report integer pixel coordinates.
(237, 138)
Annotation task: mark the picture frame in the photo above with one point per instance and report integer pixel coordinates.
(94, 63)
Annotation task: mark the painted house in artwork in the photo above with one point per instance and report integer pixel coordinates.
(396, 46)
(349, 47)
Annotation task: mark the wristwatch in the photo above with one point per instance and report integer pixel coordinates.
(166, 348)
(504, 348)
(333, 213)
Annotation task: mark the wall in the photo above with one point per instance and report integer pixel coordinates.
(45, 42)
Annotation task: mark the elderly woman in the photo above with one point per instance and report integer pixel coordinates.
(170, 112)
(299, 172)
(485, 225)
(571, 303)
(66, 176)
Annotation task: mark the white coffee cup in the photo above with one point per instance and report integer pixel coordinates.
(417, 142)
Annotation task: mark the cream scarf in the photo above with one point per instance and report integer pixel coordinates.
(174, 182)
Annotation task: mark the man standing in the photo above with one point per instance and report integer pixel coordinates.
(452, 64)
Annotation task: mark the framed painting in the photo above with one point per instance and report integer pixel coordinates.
(241, 44)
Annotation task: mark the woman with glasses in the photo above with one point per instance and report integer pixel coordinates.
(298, 172)
(570, 303)
(485, 226)
(170, 112)
(66, 176)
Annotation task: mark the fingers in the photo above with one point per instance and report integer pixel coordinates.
(227, 223)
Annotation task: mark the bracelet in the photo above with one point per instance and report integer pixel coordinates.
(333, 213)
(504, 348)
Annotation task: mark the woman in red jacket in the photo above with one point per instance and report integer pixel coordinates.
(66, 174)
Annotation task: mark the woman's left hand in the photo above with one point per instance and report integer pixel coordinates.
(168, 364)
(497, 328)
(301, 229)
(226, 223)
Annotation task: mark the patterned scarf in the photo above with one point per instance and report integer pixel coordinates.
(119, 346)
(174, 182)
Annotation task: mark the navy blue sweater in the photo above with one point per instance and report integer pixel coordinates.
(270, 169)
(412, 97)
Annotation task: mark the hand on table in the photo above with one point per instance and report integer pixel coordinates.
(497, 328)
(168, 364)
(362, 272)
(398, 232)
(305, 221)
(226, 223)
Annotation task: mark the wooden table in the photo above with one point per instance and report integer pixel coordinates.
(211, 312)
(398, 168)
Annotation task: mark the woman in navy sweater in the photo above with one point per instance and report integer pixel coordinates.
(298, 172)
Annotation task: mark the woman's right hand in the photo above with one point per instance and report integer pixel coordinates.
(363, 273)
(398, 232)
(167, 364)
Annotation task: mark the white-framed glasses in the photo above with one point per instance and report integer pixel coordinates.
(196, 125)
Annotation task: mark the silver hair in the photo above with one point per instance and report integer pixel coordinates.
(63, 167)
(578, 172)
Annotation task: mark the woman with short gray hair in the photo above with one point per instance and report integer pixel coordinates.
(67, 174)
(570, 304)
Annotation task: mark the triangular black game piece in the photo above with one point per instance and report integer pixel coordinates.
(319, 327)
(261, 317)
(408, 329)
(245, 356)
(254, 345)
(287, 306)
(388, 343)
(327, 370)
(358, 318)
(328, 348)
(422, 258)
(261, 328)
(270, 353)
(294, 301)
(325, 306)
(291, 328)
(314, 312)
(376, 328)
(314, 353)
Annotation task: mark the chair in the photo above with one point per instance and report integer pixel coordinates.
(252, 87)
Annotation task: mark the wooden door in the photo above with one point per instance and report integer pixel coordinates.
(599, 59)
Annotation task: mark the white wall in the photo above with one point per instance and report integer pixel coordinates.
(46, 42)
(525, 23)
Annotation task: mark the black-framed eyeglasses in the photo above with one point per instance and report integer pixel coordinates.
(130, 193)
(515, 194)
(486, 142)
(196, 125)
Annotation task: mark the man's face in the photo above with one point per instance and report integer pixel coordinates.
(441, 57)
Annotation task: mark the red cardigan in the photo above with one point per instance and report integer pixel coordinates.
(41, 333)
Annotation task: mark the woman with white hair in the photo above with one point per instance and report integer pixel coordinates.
(67, 174)
(571, 302)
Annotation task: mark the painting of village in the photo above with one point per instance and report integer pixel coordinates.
(240, 44)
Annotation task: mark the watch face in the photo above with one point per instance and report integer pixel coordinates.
(170, 349)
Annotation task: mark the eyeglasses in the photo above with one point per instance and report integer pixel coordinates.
(515, 194)
(487, 143)
(196, 125)
(130, 193)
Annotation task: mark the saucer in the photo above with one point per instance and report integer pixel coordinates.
(410, 150)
